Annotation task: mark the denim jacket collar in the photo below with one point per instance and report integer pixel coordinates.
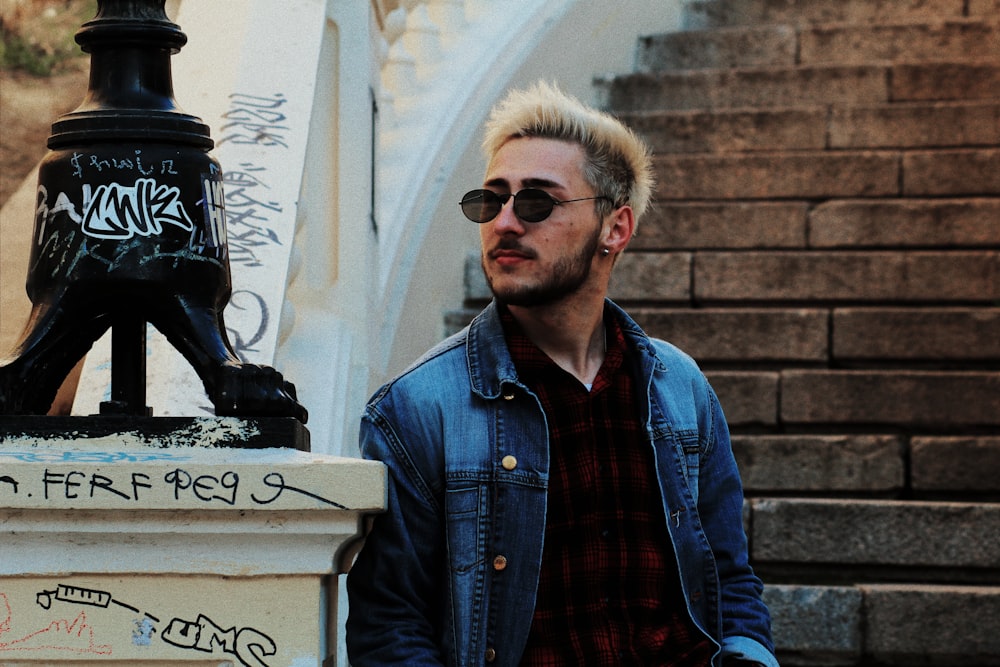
(490, 365)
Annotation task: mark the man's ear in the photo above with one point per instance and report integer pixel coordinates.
(619, 229)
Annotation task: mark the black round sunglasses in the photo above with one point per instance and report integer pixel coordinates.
(530, 204)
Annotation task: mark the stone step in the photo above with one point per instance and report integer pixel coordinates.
(868, 538)
(845, 337)
(840, 223)
(893, 125)
(750, 335)
(837, 336)
(801, 86)
(786, 45)
(869, 465)
(889, 335)
(949, 402)
(900, 624)
(862, 465)
(828, 174)
(846, 277)
(720, 13)
(912, 399)
(902, 223)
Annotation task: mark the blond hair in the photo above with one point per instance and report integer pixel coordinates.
(618, 162)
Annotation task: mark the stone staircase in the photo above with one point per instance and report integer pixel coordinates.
(826, 243)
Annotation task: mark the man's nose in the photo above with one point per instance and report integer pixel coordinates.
(507, 221)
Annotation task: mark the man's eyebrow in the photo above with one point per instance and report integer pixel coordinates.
(540, 183)
(528, 183)
(498, 183)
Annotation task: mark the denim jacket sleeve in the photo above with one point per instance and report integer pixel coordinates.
(746, 622)
(686, 413)
(395, 584)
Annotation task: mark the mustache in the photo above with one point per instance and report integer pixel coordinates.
(510, 245)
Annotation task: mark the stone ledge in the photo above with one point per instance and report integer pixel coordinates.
(955, 464)
(910, 624)
(820, 463)
(823, 623)
(741, 334)
(954, 334)
(892, 624)
(902, 223)
(876, 534)
(919, 276)
(933, 399)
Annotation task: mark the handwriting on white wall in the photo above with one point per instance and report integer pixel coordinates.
(180, 485)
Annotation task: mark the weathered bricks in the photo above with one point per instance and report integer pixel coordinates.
(735, 47)
(985, 8)
(795, 175)
(962, 80)
(939, 334)
(680, 225)
(917, 534)
(906, 398)
(652, 276)
(905, 222)
(960, 276)
(911, 624)
(748, 398)
(959, 464)
(839, 43)
(744, 12)
(951, 172)
(749, 87)
(861, 43)
(821, 623)
(892, 624)
(858, 188)
(732, 130)
(870, 464)
(772, 334)
(916, 125)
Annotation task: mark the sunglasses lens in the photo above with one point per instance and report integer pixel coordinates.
(533, 205)
(480, 205)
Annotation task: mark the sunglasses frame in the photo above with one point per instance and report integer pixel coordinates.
(503, 198)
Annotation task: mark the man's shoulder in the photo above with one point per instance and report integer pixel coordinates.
(673, 356)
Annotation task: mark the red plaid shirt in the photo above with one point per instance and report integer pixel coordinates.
(609, 593)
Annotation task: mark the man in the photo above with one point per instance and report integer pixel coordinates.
(561, 487)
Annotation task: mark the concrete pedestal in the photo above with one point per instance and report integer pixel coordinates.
(122, 549)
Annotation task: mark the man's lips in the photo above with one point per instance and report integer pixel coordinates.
(509, 252)
(508, 256)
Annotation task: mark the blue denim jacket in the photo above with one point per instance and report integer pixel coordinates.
(448, 574)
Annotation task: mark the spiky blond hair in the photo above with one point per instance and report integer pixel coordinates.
(618, 163)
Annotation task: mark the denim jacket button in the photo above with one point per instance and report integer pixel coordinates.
(491, 654)
(508, 462)
(500, 563)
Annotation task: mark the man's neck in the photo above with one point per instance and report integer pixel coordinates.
(573, 337)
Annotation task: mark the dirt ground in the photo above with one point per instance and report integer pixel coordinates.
(29, 103)
(28, 107)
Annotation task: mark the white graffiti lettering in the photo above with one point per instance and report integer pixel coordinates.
(121, 212)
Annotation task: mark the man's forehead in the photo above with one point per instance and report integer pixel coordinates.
(536, 162)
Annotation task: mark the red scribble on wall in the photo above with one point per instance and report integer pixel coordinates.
(76, 636)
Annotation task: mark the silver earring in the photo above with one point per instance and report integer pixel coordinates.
(605, 251)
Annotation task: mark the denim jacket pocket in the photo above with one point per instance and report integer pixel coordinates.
(464, 508)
